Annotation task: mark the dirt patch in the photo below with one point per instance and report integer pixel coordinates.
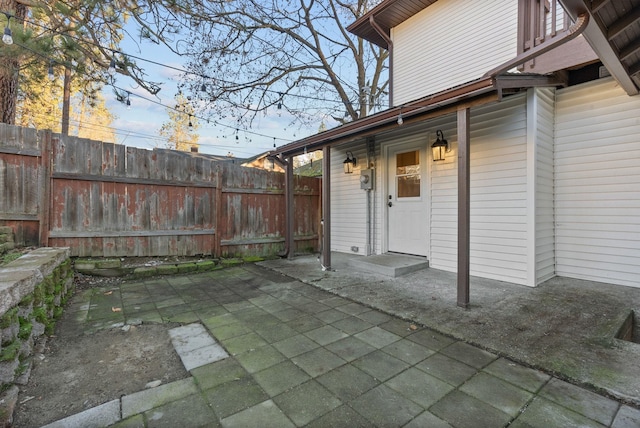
(76, 371)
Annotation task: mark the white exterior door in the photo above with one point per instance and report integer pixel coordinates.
(407, 200)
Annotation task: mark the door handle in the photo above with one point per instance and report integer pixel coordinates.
(390, 204)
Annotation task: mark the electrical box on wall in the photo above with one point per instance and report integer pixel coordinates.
(366, 179)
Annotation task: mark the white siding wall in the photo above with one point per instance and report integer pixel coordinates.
(498, 194)
(597, 183)
(541, 109)
(444, 200)
(348, 201)
(449, 43)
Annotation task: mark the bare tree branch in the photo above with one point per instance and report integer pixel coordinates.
(253, 55)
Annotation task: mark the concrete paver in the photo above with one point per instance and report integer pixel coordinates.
(195, 346)
(295, 355)
(142, 401)
(627, 417)
(265, 414)
(100, 416)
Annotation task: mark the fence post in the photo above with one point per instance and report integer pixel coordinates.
(218, 215)
(44, 204)
(289, 204)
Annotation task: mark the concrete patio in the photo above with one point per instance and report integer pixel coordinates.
(285, 343)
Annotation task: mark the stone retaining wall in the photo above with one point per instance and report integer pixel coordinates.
(33, 291)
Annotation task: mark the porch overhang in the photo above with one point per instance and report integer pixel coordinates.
(477, 92)
(614, 34)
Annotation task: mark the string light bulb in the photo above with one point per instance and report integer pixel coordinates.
(400, 119)
(280, 100)
(51, 74)
(7, 38)
(190, 123)
(128, 101)
(112, 66)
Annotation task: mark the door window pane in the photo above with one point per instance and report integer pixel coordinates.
(408, 174)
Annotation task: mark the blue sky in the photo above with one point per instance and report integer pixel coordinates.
(138, 125)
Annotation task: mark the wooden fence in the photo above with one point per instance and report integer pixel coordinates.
(103, 200)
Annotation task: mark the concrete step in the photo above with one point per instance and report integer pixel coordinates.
(392, 265)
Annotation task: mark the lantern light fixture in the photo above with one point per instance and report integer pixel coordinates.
(349, 163)
(440, 147)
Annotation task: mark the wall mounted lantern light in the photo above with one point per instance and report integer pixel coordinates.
(440, 147)
(349, 163)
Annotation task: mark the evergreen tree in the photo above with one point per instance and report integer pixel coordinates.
(80, 37)
(40, 105)
(181, 129)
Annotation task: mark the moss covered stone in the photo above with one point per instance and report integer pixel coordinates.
(25, 329)
(187, 267)
(205, 266)
(108, 264)
(231, 262)
(85, 264)
(10, 351)
(145, 271)
(26, 301)
(9, 318)
(40, 315)
(167, 269)
(38, 294)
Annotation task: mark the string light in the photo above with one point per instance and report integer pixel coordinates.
(87, 125)
(181, 70)
(400, 120)
(7, 38)
(190, 123)
(178, 109)
(112, 66)
(51, 74)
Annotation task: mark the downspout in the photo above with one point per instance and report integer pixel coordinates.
(387, 39)
(367, 244)
(563, 37)
(287, 165)
(371, 203)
